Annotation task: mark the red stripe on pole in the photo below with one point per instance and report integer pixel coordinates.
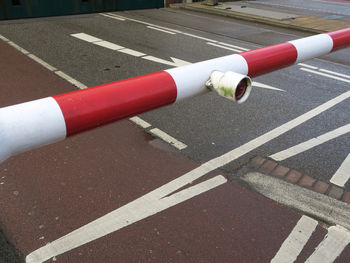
(92, 107)
(341, 38)
(267, 59)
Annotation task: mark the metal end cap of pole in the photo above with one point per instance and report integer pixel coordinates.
(230, 85)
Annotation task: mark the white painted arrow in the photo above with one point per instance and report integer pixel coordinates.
(342, 175)
(175, 62)
(264, 86)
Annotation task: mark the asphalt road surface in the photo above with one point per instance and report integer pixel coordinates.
(207, 126)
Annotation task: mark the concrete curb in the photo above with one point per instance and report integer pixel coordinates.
(302, 23)
(272, 168)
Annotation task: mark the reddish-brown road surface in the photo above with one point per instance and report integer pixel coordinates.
(49, 192)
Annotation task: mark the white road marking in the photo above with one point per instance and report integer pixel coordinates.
(86, 37)
(325, 75)
(302, 147)
(342, 175)
(199, 37)
(295, 242)
(4, 38)
(131, 52)
(161, 30)
(111, 15)
(307, 66)
(332, 245)
(70, 79)
(175, 62)
(223, 47)
(264, 86)
(335, 73)
(114, 17)
(140, 122)
(42, 62)
(108, 45)
(230, 45)
(18, 47)
(128, 214)
(169, 139)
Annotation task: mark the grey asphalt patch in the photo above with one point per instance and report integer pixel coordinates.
(317, 205)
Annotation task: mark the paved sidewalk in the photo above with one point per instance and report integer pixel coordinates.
(305, 23)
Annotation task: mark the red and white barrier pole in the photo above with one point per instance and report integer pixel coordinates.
(33, 124)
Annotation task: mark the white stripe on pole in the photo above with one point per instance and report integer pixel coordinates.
(314, 46)
(27, 125)
(190, 80)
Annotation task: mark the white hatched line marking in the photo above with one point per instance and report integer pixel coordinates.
(230, 45)
(223, 47)
(169, 139)
(342, 175)
(335, 73)
(307, 66)
(325, 75)
(332, 245)
(295, 242)
(161, 30)
(140, 122)
(304, 146)
(128, 214)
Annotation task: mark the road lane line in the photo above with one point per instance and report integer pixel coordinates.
(325, 75)
(140, 122)
(108, 45)
(71, 80)
(131, 52)
(332, 245)
(230, 45)
(86, 37)
(25, 52)
(304, 146)
(111, 15)
(4, 38)
(161, 30)
(114, 17)
(295, 242)
(223, 47)
(307, 66)
(342, 175)
(128, 214)
(335, 73)
(42, 62)
(169, 139)
(199, 37)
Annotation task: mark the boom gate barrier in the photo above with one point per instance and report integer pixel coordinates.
(36, 123)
